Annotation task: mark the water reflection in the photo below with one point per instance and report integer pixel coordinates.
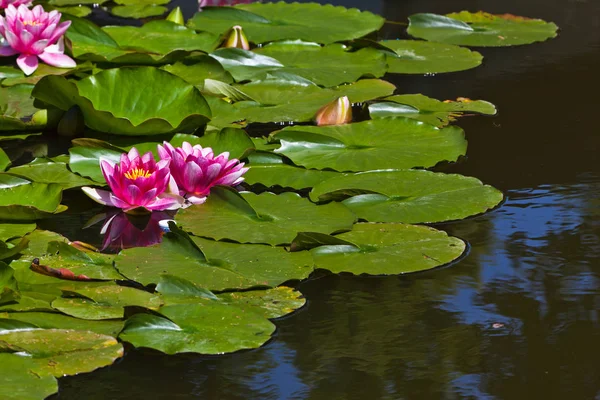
(123, 231)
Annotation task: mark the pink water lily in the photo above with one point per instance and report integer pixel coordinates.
(124, 231)
(196, 169)
(138, 183)
(5, 3)
(34, 34)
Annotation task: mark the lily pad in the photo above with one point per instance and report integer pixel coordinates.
(72, 351)
(244, 64)
(26, 201)
(321, 65)
(198, 328)
(409, 196)
(86, 160)
(212, 265)
(198, 69)
(286, 176)
(426, 109)
(138, 11)
(52, 172)
(388, 249)
(87, 309)
(279, 21)
(271, 303)
(156, 111)
(419, 57)
(161, 37)
(480, 29)
(48, 320)
(21, 380)
(19, 78)
(17, 110)
(265, 218)
(13, 230)
(399, 143)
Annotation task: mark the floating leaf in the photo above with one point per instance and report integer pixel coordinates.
(19, 78)
(274, 303)
(161, 37)
(410, 196)
(156, 111)
(48, 320)
(286, 176)
(71, 352)
(426, 109)
(321, 65)
(17, 110)
(225, 265)
(53, 172)
(480, 29)
(138, 11)
(4, 160)
(26, 201)
(244, 64)
(86, 160)
(20, 379)
(13, 230)
(384, 249)
(264, 218)
(87, 309)
(419, 57)
(278, 21)
(398, 143)
(198, 69)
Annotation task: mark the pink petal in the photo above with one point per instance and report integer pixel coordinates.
(7, 51)
(165, 202)
(39, 46)
(28, 64)
(196, 199)
(104, 197)
(57, 60)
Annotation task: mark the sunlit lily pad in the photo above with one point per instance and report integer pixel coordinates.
(264, 218)
(16, 109)
(398, 143)
(53, 172)
(21, 380)
(198, 328)
(144, 108)
(213, 265)
(12, 230)
(138, 11)
(410, 196)
(420, 57)
(19, 78)
(71, 352)
(161, 37)
(279, 21)
(21, 199)
(426, 109)
(384, 249)
(86, 160)
(480, 29)
(244, 64)
(48, 320)
(272, 303)
(198, 69)
(321, 65)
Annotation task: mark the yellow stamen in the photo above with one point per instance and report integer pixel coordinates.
(137, 173)
(31, 23)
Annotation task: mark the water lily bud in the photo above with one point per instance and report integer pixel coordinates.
(237, 38)
(176, 16)
(71, 123)
(338, 112)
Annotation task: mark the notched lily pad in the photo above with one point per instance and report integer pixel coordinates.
(388, 249)
(410, 196)
(22, 200)
(429, 110)
(480, 29)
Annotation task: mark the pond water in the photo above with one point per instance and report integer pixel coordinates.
(517, 318)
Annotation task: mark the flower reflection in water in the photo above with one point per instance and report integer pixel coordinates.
(124, 231)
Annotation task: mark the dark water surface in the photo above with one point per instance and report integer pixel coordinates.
(516, 319)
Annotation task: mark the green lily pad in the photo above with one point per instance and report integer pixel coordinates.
(426, 109)
(480, 29)
(212, 265)
(321, 65)
(87, 309)
(161, 37)
(17, 110)
(244, 64)
(19, 78)
(197, 70)
(286, 176)
(26, 201)
(409, 196)
(419, 57)
(388, 249)
(86, 160)
(4, 160)
(78, 10)
(198, 328)
(398, 143)
(48, 320)
(71, 352)
(272, 303)
(265, 218)
(155, 111)
(138, 11)
(280, 21)
(53, 172)
(62, 3)
(13, 230)
(177, 290)
(20, 379)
